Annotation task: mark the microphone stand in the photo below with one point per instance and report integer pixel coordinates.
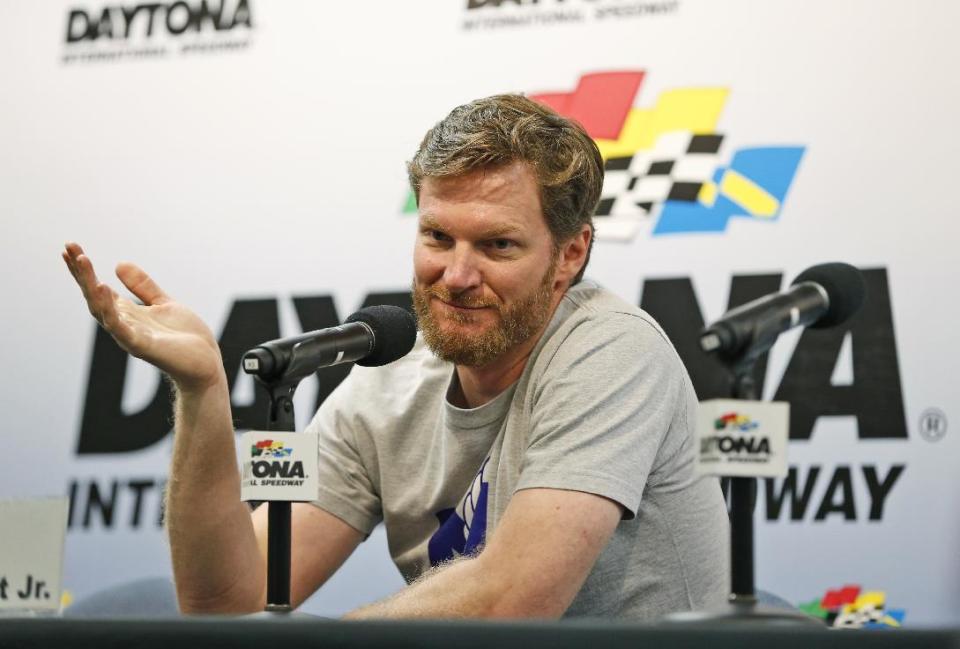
(280, 386)
(742, 605)
(743, 494)
(281, 419)
(279, 366)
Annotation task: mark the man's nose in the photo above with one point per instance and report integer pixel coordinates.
(462, 273)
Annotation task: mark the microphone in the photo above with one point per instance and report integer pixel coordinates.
(373, 336)
(821, 296)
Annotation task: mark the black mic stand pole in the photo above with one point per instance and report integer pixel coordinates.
(743, 494)
(280, 419)
(742, 604)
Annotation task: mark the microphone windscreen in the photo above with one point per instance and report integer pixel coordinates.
(845, 287)
(394, 333)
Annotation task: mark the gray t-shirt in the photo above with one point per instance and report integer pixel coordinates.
(603, 406)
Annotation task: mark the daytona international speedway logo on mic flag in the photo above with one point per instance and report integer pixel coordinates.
(278, 466)
(269, 448)
(742, 438)
(666, 169)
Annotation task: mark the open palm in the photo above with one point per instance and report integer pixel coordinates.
(160, 331)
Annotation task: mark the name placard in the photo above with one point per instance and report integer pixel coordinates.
(31, 553)
(278, 466)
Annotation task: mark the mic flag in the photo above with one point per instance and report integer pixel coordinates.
(740, 438)
(278, 466)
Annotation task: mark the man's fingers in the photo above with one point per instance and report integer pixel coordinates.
(140, 284)
(69, 262)
(71, 251)
(109, 309)
(102, 302)
(82, 269)
(102, 305)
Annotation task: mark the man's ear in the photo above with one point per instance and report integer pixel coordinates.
(573, 255)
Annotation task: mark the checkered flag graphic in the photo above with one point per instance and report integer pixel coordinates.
(865, 616)
(675, 169)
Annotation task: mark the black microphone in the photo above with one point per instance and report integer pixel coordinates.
(821, 296)
(373, 336)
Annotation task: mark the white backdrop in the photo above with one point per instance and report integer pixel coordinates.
(264, 160)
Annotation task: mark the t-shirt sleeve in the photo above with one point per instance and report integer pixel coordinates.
(601, 410)
(346, 489)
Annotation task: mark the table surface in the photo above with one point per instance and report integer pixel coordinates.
(185, 633)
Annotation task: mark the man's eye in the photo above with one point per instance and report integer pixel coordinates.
(502, 244)
(436, 235)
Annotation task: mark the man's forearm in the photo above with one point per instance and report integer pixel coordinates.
(216, 561)
(437, 594)
(465, 588)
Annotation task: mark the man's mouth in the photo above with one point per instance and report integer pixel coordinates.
(460, 306)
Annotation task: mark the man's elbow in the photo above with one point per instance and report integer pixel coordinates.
(514, 594)
(237, 598)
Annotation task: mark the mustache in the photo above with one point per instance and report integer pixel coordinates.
(459, 299)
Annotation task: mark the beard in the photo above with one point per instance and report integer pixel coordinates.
(515, 323)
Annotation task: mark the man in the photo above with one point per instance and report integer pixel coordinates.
(532, 457)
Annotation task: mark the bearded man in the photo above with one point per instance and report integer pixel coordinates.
(532, 457)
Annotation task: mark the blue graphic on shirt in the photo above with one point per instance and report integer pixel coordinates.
(463, 529)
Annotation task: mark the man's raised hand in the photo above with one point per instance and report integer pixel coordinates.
(160, 331)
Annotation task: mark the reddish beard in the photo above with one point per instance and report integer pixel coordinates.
(515, 323)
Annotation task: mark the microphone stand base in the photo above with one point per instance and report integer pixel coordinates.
(745, 611)
(281, 612)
